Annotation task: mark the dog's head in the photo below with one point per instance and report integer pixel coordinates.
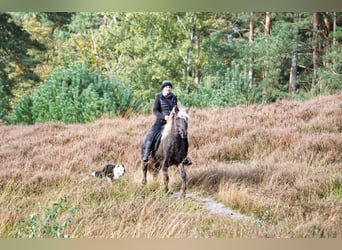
(111, 172)
(118, 171)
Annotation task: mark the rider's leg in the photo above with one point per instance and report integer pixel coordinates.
(156, 128)
(146, 149)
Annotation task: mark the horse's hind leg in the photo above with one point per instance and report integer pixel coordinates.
(183, 175)
(166, 179)
(144, 169)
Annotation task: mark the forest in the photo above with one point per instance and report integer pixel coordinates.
(76, 67)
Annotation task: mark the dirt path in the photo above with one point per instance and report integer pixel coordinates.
(215, 207)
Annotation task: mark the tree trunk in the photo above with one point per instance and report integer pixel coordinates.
(268, 24)
(326, 21)
(251, 59)
(293, 72)
(267, 33)
(315, 49)
(197, 65)
(334, 28)
(193, 59)
(326, 33)
(186, 70)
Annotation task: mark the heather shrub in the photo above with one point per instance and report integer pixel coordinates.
(279, 164)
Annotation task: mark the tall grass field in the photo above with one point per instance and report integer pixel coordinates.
(280, 164)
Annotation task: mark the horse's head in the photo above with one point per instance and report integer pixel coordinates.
(180, 118)
(177, 123)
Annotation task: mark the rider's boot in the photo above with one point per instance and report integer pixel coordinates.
(146, 150)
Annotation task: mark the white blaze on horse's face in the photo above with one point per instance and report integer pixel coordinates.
(183, 114)
(182, 123)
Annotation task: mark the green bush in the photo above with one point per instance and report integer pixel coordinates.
(4, 104)
(229, 90)
(330, 76)
(22, 112)
(75, 94)
(45, 225)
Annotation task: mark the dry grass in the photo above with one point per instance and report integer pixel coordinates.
(280, 163)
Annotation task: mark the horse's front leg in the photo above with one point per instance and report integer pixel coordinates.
(166, 178)
(156, 170)
(183, 175)
(144, 169)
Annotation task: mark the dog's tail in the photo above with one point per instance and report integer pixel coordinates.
(99, 174)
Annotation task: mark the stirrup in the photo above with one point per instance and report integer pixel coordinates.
(187, 162)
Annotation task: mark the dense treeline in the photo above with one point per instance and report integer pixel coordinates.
(76, 67)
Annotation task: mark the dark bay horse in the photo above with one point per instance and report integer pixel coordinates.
(172, 149)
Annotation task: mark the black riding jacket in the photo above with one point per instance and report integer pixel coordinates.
(163, 105)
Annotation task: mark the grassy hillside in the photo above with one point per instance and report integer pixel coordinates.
(279, 163)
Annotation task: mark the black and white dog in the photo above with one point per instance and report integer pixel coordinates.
(111, 172)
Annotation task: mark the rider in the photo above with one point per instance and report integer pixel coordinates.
(163, 104)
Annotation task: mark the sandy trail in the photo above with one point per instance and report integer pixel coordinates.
(215, 207)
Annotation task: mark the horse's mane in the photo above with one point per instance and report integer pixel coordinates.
(182, 113)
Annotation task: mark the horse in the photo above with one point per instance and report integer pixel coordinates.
(172, 149)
